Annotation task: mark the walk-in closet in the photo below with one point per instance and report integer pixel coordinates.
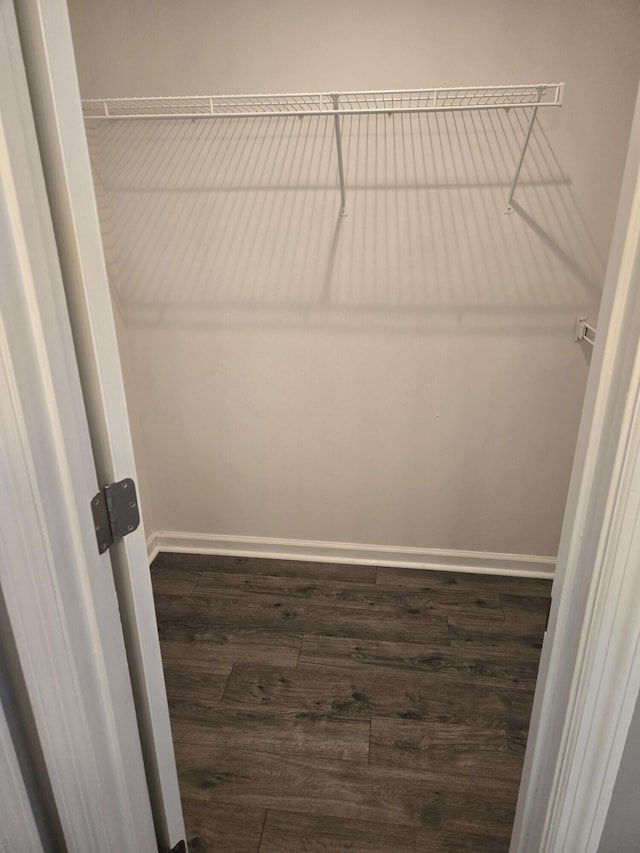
(355, 253)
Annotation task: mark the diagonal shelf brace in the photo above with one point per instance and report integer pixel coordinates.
(523, 151)
(336, 119)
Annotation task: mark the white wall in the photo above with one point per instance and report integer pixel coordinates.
(143, 458)
(405, 375)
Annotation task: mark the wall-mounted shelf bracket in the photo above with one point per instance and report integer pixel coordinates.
(584, 331)
(335, 100)
(523, 150)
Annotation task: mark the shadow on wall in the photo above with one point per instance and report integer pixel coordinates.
(202, 217)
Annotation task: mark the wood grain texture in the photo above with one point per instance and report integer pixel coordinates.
(343, 708)
(364, 692)
(278, 730)
(393, 599)
(279, 568)
(346, 789)
(521, 639)
(222, 647)
(288, 832)
(420, 579)
(170, 581)
(469, 750)
(189, 676)
(273, 613)
(214, 827)
(526, 609)
(492, 667)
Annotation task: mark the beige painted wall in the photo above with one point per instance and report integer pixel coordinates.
(405, 375)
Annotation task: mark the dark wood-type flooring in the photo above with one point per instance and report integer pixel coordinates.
(318, 707)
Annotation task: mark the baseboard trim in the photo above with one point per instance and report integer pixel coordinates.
(153, 549)
(519, 565)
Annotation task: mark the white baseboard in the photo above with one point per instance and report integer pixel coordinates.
(520, 565)
(153, 549)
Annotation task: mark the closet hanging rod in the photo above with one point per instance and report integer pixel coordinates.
(390, 102)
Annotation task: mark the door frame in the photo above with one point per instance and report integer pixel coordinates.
(590, 667)
(589, 676)
(47, 48)
(61, 635)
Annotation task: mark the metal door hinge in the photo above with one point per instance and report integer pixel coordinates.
(115, 512)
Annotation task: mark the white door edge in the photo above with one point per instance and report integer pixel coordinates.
(58, 593)
(589, 675)
(50, 63)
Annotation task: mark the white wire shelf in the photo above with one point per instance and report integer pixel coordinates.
(336, 104)
(327, 103)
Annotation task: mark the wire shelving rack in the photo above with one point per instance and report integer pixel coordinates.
(533, 96)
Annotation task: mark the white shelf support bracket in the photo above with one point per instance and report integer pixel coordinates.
(336, 118)
(523, 151)
(584, 331)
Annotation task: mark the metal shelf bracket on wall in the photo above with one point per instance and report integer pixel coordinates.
(335, 100)
(390, 102)
(523, 150)
(584, 331)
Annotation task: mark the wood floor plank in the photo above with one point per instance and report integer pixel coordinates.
(423, 579)
(346, 789)
(515, 637)
(260, 566)
(528, 609)
(288, 832)
(194, 677)
(174, 581)
(363, 692)
(482, 667)
(469, 750)
(268, 729)
(180, 619)
(220, 648)
(218, 828)
(337, 708)
(179, 608)
(358, 596)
